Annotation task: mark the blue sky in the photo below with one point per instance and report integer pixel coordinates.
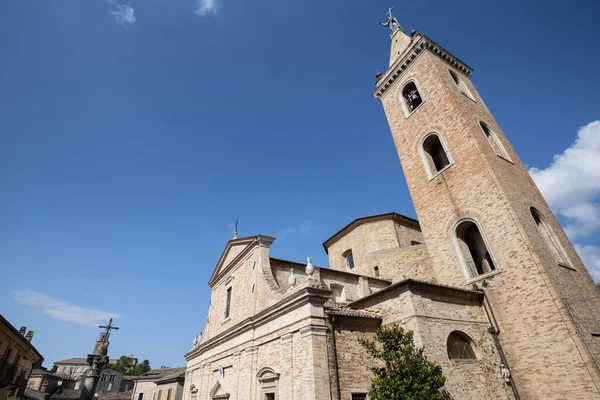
(133, 135)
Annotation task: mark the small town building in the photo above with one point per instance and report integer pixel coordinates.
(160, 384)
(18, 357)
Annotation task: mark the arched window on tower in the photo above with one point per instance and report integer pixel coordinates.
(411, 98)
(494, 142)
(461, 85)
(460, 347)
(434, 154)
(552, 242)
(473, 249)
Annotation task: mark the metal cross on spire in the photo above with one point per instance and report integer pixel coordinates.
(392, 22)
(109, 327)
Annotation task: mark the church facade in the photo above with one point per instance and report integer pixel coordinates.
(486, 278)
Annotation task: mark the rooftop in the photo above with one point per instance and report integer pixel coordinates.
(401, 219)
(159, 374)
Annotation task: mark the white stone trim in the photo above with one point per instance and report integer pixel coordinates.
(286, 338)
(461, 258)
(400, 98)
(430, 173)
(313, 330)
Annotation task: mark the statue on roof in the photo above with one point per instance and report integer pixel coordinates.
(392, 22)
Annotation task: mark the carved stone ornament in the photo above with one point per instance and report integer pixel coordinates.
(292, 278)
(309, 267)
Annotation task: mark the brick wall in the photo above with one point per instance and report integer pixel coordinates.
(527, 294)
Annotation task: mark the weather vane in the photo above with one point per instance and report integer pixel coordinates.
(237, 222)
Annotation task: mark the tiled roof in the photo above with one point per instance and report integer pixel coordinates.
(418, 282)
(79, 361)
(73, 361)
(33, 394)
(67, 394)
(115, 396)
(332, 308)
(158, 374)
(180, 373)
(39, 371)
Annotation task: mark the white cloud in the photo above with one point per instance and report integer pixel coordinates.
(571, 185)
(591, 258)
(304, 227)
(123, 14)
(206, 7)
(63, 311)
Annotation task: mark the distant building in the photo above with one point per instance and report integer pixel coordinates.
(43, 380)
(71, 368)
(17, 359)
(74, 368)
(113, 382)
(160, 384)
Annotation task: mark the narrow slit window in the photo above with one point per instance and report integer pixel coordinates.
(228, 302)
(411, 98)
(461, 85)
(474, 250)
(494, 141)
(551, 241)
(435, 156)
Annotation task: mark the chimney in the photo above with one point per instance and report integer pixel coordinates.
(29, 336)
(22, 330)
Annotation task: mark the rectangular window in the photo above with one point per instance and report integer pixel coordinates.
(359, 396)
(103, 377)
(141, 396)
(112, 377)
(269, 396)
(228, 303)
(169, 394)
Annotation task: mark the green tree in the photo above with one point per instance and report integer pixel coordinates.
(140, 369)
(125, 366)
(406, 373)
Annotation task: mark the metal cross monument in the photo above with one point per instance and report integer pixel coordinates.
(108, 327)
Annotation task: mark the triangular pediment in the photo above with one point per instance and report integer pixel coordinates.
(218, 391)
(234, 250)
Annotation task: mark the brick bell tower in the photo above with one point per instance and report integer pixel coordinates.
(485, 222)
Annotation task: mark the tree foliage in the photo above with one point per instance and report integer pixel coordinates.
(406, 373)
(125, 366)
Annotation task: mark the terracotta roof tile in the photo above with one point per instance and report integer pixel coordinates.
(332, 308)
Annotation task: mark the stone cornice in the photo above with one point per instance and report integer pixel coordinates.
(309, 294)
(251, 241)
(421, 43)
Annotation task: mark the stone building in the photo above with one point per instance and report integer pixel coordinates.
(71, 368)
(113, 381)
(18, 357)
(486, 278)
(43, 380)
(159, 384)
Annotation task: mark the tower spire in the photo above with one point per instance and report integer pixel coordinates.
(400, 40)
(237, 222)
